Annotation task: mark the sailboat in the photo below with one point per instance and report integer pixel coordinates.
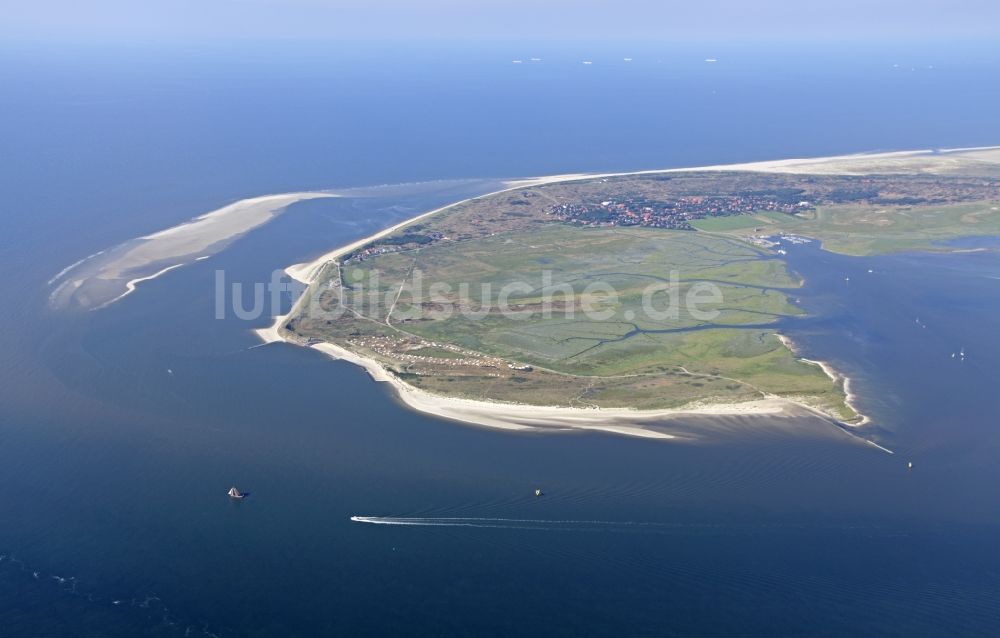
(235, 493)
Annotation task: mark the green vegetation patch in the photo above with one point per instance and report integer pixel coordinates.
(865, 229)
(625, 357)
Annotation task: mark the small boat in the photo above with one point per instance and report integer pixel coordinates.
(909, 465)
(538, 492)
(235, 493)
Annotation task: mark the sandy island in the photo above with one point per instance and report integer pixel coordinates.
(110, 275)
(626, 421)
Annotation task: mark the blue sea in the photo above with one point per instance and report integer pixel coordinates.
(121, 429)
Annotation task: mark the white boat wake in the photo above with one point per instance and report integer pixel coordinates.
(508, 523)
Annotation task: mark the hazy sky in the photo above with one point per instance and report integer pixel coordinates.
(199, 20)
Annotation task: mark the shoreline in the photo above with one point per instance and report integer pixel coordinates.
(190, 241)
(521, 417)
(524, 417)
(131, 285)
(836, 376)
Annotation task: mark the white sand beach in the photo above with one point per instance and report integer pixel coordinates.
(523, 417)
(836, 376)
(199, 234)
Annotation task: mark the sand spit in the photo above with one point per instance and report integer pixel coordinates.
(837, 377)
(936, 161)
(112, 274)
